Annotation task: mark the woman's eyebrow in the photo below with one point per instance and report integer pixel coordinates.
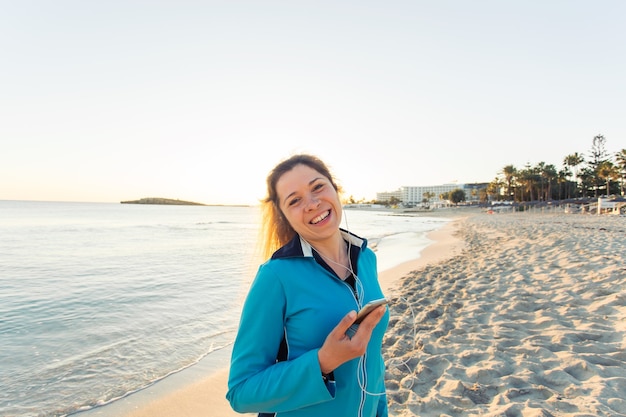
(310, 182)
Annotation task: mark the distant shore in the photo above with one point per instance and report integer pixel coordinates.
(176, 202)
(165, 201)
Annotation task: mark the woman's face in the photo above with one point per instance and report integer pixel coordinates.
(309, 202)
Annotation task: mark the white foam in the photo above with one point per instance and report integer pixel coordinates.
(396, 249)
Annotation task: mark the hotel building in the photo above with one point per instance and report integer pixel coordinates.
(412, 195)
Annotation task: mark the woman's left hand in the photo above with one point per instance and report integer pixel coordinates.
(338, 348)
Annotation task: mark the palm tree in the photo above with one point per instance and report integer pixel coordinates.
(586, 176)
(427, 196)
(573, 161)
(562, 179)
(527, 179)
(509, 172)
(599, 155)
(620, 157)
(549, 175)
(493, 188)
(608, 171)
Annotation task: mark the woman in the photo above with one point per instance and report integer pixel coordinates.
(305, 298)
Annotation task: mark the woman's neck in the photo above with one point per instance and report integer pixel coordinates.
(333, 248)
(335, 253)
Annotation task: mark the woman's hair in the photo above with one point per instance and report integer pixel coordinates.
(275, 229)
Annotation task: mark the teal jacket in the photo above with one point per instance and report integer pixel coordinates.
(295, 297)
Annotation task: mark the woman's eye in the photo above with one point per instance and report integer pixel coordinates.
(294, 201)
(318, 187)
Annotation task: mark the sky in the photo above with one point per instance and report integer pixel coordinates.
(106, 101)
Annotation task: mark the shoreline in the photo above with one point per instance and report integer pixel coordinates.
(190, 393)
(445, 243)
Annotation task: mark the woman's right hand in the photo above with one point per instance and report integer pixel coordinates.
(339, 348)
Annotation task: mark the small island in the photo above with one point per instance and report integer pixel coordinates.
(166, 201)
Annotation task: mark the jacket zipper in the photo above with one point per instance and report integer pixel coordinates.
(361, 368)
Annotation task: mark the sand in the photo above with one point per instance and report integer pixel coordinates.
(200, 399)
(529, 320)
(518, 314)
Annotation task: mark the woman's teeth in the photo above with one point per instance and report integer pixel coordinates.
(320, 217)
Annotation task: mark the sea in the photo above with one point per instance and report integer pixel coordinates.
(99, 301)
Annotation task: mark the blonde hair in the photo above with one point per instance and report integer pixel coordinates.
(275, 229)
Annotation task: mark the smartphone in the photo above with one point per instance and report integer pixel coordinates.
(368, 308)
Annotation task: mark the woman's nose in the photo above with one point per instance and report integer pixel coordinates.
(313, 203)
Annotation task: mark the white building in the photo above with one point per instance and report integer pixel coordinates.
(387, 195)
(415, 195)
(411, 195)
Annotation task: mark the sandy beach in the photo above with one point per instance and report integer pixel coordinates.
(519, 314)
(529, 320)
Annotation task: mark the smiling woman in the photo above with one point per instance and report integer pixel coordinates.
(298, 349)
(312, 208)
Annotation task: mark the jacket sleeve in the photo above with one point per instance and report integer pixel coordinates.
(257, 383)
(382, 410)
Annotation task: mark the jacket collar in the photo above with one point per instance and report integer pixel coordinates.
(299, 248)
